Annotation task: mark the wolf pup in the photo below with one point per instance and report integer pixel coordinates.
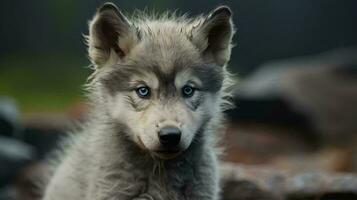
(158, 91)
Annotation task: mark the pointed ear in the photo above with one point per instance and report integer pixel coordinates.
(214, 35)
(111, 36)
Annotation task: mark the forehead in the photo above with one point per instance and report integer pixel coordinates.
(164, 46)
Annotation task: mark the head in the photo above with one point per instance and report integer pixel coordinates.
(163, 78)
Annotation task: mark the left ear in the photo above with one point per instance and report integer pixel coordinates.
(214, 35)
(111, 36)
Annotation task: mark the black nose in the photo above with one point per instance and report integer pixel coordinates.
(170, 136)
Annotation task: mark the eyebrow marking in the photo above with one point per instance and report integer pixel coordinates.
(210, 76)
(120, 79)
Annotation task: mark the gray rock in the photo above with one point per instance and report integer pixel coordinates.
(323, 88)
(259, 182)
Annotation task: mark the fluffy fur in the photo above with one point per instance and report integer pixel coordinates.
(117, 154)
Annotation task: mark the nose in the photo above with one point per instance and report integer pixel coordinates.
(170, 136)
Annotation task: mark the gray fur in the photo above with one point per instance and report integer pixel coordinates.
(114, 157)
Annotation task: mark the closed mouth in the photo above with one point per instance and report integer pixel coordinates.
(168, 151)
(167, 154)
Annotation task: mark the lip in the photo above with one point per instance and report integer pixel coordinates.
(165, 154)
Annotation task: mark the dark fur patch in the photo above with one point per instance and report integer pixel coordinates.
(211, 76)
(119, 79)
(167, 88)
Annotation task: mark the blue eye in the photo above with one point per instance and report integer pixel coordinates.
(143, 91)
(188, 91)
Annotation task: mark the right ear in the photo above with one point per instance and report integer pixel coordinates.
(111, 36)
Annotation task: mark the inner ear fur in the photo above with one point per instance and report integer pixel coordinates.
(110, 36)
(213, 37)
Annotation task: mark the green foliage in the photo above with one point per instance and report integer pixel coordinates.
(43, 82)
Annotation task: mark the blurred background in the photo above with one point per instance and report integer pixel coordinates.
(296, 101)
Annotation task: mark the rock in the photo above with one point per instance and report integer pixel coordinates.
(259, 182)
(256, 143)
(325, 159)
(319, 92)
(14, 156)
(9, 117)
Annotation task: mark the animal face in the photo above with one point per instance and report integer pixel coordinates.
(163, 78)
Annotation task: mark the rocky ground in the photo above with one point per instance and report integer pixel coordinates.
(261, 162)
